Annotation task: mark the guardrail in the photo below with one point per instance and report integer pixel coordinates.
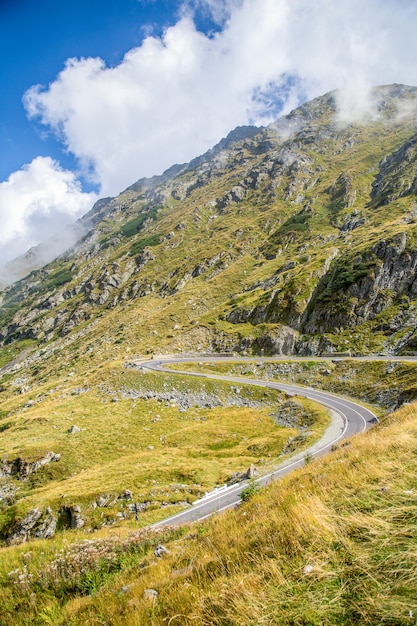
(209, 494)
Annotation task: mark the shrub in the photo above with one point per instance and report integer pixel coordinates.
(248, 492)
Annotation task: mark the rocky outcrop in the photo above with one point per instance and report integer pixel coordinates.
(397, 175)
(21, 468)
(238, 477)
(342, 194)
(285, 191)
(361, 288)
(36, 524)
(70, 517)
(277, 340)
(186, 400)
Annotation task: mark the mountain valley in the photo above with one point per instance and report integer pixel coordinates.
(297, 242)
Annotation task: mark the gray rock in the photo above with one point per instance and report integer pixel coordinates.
(161, 551)
(7, 493)
(48, 526)
(102, 500)
(22, 469)
(126, 495)
(74, 429)
(150, 595)
(240, 476)
(251, 472)
(71, 516)
(22, 531)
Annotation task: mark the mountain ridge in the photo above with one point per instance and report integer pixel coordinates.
(295, 240)
(324, 183)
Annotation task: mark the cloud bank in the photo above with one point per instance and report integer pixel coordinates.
(35, 203)
(174, 96)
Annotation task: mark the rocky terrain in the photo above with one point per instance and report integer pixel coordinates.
(295, 239)
(300, 235)
(299, 238)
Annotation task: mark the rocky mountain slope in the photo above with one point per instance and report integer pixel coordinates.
(298, 237)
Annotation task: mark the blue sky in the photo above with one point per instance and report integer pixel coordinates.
(36, 38)
(98, 93)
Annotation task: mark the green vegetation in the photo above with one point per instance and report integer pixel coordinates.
(248, 492)
(59, 278)
(144, 242)
(160, 452)
(347, 271)
(9, 352)
(272, 247)
(331, 544)
(134, 226)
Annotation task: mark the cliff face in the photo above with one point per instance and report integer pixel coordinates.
(360, 288)
(288, 238)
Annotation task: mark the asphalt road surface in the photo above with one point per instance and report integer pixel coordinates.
(347, 419)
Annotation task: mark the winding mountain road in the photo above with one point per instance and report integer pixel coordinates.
(347, 418)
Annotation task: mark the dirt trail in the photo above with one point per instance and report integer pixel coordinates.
(20, 357)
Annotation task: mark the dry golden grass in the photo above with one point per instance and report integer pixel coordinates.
(152, 448)
(333, 543)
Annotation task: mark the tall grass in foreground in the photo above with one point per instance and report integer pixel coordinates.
(334, 543)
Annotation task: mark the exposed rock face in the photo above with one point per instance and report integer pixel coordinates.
(279, 201)
(22, 469)
(279, 340)
(47, 527)
(71, 516)
(186, 400)
(342, 195)
(7, 493)
(386, 273)
(396, 178)
(37, 524)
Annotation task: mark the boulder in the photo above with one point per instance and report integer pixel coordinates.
(161, 551)
(22, 469)
(71, 516)
(22, 531)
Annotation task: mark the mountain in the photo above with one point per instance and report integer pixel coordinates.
(299, 238)
(294, 238)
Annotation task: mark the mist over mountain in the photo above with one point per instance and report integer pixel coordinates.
(299, 235)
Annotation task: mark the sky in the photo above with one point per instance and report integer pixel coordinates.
(97, 94)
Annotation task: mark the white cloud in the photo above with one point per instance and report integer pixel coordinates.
(173, 97)
(35, 203)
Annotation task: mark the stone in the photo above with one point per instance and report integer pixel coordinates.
(102, 500)
(126, 495)
(22, 531)
(74, 429)
(161, 551)
(22, 469)
(251, 473)
(71, 516)
(48, 526)
(150, 594)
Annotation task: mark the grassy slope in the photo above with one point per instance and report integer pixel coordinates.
(334, 543)
(72, 378)
(245, 235)
(160, 453)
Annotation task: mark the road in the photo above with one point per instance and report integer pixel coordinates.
(347, 418)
